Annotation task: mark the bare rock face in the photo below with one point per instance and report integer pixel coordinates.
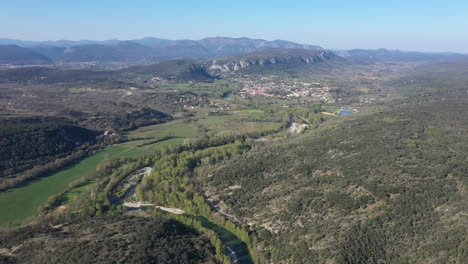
(228, 65)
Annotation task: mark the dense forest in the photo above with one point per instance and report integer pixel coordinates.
(107, 240)
(28, 142)
(388, 187)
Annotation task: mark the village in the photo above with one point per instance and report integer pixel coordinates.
(285, 89)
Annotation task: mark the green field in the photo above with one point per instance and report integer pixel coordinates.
(239, 122)
(253, 111)
(177, 128)
(245, 121)
(22, 202)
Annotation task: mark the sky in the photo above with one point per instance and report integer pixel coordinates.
(429, 25)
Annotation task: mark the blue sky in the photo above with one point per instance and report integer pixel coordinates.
(430, 25)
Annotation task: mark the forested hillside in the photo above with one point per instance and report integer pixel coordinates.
(107, 240)
(384, 188)
(27, 142)
(12, 54)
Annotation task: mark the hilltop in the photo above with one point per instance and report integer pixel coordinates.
(13, 54)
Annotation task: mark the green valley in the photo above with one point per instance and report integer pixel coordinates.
(271, 152)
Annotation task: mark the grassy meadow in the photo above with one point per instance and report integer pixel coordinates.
(21, 203)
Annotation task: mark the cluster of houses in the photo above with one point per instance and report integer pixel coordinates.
(286, 90)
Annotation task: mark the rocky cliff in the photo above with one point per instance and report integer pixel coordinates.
(268, 57)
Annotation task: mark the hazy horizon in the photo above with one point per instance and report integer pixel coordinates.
(334, 49)
(428, 26)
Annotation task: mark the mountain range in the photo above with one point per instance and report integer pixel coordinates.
(384, 55)
(145, 50)
(151, 50)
